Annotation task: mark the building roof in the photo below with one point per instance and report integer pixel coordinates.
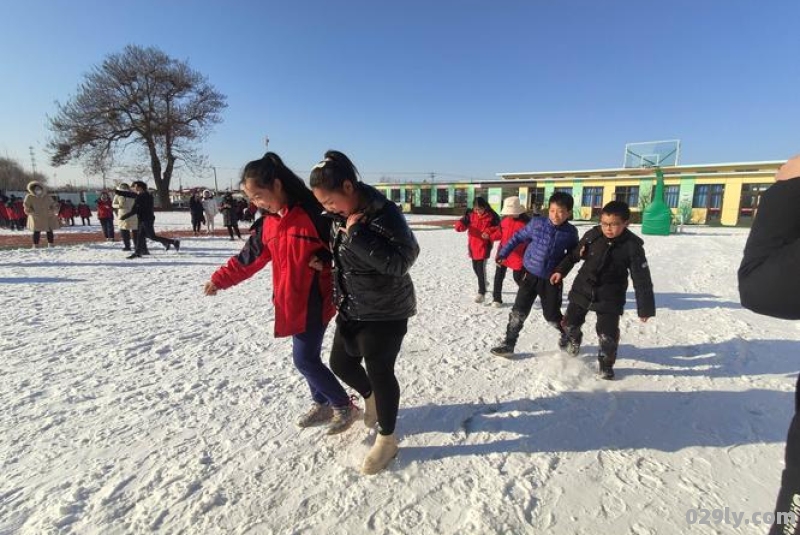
(728, 168)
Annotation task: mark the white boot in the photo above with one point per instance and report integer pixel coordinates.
(383, 451)
(370, 411)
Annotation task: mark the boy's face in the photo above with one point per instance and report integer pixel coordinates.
(558, 214)
(612, 225)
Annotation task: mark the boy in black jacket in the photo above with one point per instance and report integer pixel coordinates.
(609, 252)
(143, 209)
(769, 285)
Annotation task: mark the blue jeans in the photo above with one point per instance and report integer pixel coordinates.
(306, 351)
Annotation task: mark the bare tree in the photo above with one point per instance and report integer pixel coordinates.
(138, 99)
(14, 177)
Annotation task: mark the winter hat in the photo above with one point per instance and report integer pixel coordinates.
(512, 206)
(207, 193)
(124, 187)
(33, 184)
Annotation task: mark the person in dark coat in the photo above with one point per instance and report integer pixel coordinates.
(479, 223)
(769, 285)
(229, 215)
(609, 252)
(143, 210)
(373, 250)
(548, 240)
(196, 211)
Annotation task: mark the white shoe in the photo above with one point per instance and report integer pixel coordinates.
(479, 298)
(381, 453)
(497, 304)
(370, 411)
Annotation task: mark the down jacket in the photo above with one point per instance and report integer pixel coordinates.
(42, 210)
(476, 226)
(122, 205)
(509, 226)
(547, 245)
(768, 281)
(372, 260)
(602, 281)
(289, 242)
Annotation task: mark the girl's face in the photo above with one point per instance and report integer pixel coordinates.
(271, 200)
(479, 210)
(343, 201)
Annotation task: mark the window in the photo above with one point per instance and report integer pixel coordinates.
(708, 196)
(536, 199)
(562, 190)
(592, 197)
(751, 196)
(395, 192)
(442, 196)
(460, 200)
(627, 194)
(507, 192)
(672, 195)
(425, 197)
(409, 195)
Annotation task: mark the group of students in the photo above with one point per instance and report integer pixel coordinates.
(203, 209)
(340, 246)
(542, 251)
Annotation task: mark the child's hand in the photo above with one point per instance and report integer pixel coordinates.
(210, 289)
(485, 236)
(556, 278)
(315, 263)
(643, 320)
(352, 219)
(499, 261)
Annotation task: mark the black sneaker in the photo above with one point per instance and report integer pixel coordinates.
(134, 255)
(177, 245)
(167, 245)
(606, 371)
(563, 341)
(503, 350)
(573, 348)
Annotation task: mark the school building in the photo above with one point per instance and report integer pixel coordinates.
(713, 194)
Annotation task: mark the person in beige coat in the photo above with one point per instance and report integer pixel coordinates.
(42, 212)
(122, 205)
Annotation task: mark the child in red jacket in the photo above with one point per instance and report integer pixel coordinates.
(479, 223)
(295, 237)
(514, 220)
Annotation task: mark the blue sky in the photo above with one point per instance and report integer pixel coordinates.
(463, 89)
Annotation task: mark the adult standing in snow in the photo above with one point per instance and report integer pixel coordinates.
(373, 250)
(210, 209)
(105, 213)
(479, 223)
(122, 205)
(143, 209)
(229, 215)
(196, 212)
(42, 212)
(295, 237)
(768, 284)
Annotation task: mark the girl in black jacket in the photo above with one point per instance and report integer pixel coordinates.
(769, 285)
(373, 250)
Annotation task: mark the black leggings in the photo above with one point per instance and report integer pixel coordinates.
(232, 228)
(37, 236)
(479, 267)
(789, 493)
(377, 343)
(499, 277)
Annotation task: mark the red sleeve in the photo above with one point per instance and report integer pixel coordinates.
(252, 258)
(496, 233)
(460, 226)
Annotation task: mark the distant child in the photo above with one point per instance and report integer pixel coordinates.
(548, 240)
(105, 213)
(229, 215)
(609, 251)
(85, 212)
(210, 210)
(196, 211)
(515, 219)
(478, 223)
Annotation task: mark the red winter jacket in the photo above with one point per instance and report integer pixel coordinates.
(476, 225)
(84, 210)
(104, 209)
(508, 227)
(290, 242)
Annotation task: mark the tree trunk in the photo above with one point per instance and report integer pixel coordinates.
(162, 184)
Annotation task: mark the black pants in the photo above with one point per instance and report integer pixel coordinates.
(607, 330)
(146, 231)
(197, 221)
(126, 238)
(531, 287)
(499, 277)
(232, 228)
(790, 480)
(377, 343)
(37, 235)
(108, 227)
(479, 267)
(85, 221)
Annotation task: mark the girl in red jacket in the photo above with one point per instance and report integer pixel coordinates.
(293, 235)
(105, 213)
(479, 223)
(515, 219)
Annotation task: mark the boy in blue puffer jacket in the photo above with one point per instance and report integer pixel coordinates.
(549, 240)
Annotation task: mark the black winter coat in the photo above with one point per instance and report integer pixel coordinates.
(142, 205)
(602, 282)
(769, 281)
(371, 263)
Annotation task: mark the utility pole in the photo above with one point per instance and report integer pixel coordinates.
(216, 188)
(33, 161)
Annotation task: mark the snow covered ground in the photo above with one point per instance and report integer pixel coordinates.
(133, 404)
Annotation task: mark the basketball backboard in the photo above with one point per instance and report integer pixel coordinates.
(652, 153)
